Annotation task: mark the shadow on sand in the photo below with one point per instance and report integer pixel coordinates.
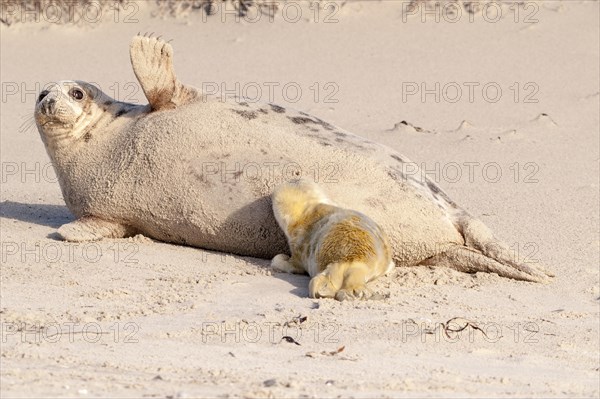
(299, 281)
(44, 215)
(55, 216)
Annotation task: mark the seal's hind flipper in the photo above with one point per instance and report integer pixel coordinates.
(478, 236)
(469, 260)
(91, 228)
(152, 61)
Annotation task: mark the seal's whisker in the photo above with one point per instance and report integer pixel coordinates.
(27, 124)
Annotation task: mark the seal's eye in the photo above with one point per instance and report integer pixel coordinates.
(76, 93)
(43, 94)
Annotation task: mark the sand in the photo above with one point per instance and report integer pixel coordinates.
(139, 318)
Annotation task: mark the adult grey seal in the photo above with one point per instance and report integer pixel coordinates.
(197, 171)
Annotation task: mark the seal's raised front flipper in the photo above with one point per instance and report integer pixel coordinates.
(152, 61)
(91, 228)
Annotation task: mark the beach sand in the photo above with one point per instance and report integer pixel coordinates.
(139, 318)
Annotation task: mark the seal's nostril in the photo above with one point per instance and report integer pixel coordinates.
(42, 95)
(49, 106)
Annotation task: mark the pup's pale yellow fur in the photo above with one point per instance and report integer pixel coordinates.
(340, 249)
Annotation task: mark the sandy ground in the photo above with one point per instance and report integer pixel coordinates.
(137, 318)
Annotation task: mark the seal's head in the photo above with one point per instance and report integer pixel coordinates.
(293, 200)
(66, 111)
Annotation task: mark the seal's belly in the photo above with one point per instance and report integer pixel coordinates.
(203, 176)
